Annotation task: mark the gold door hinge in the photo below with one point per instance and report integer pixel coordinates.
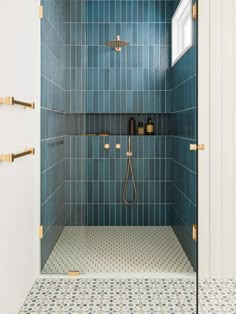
(40, 232)
(195, 11)
(194, 232)
(197, 147)
(73, 273)
(41, 12)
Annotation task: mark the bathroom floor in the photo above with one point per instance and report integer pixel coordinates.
(117, 249)
(125, 296)
(159, 296)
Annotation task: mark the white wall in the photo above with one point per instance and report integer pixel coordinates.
(217, 129)
(19, 204)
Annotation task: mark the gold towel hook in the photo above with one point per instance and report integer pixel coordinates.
(12, 157)
(11, 101)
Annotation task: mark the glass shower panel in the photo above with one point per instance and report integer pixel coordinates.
(89, 92)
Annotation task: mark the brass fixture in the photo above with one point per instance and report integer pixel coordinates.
(194, 11)
(106, 146)
(73, 273)
(117, 43)
(40, 11)
(118, 146)
(130, 175)
(40, 232)
(12, 101)
(12, 157)
(194, 232)
(197, 147)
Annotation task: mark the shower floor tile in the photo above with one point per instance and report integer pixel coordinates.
(117, 249)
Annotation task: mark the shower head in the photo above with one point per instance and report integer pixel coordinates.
(117, 44)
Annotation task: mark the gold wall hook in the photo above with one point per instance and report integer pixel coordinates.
(106, 146)
(118, 146)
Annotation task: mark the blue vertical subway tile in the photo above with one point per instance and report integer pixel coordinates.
(134, 16)
(112, 11)
(118, 212)
(123, 9)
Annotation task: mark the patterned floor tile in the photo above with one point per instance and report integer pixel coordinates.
(123, 296)
(117, 249)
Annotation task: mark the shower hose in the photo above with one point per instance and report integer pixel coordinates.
(129, 174)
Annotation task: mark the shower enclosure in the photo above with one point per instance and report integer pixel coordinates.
(89, 91)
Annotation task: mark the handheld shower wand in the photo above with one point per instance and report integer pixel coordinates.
(131, 175)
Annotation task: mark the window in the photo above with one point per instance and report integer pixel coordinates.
(181, 30)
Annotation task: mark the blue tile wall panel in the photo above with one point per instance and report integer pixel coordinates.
(52, 125)
(95, 179)
(100, 80)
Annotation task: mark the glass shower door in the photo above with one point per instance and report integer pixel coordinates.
(89, 88)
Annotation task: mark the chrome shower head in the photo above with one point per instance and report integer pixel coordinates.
(117, 44)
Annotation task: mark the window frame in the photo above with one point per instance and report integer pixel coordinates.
(178, 21)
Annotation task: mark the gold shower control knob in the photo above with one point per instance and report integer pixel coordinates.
(118, 146)
(106, 146)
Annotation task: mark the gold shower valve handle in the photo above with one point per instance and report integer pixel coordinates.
(129, 154)
(106, 146)
(118, 146)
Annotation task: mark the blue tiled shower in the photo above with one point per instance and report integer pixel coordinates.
(89, 88)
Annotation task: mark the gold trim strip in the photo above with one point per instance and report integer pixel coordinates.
(11, 101)
(194, 232)
(194, 11)
(12, 157)
(40, 232)
(73, 273)
(41, 12)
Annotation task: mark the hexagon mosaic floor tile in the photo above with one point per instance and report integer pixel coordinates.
(117, 249)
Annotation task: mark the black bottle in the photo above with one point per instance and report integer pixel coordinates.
(132, 126)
